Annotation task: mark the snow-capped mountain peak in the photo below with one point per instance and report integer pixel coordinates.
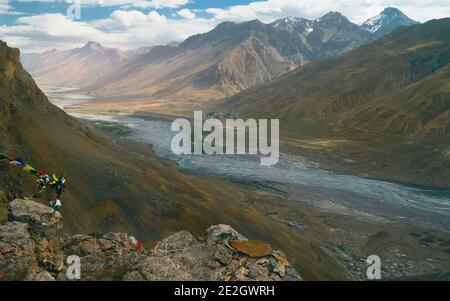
(293, 24)
(389, 19)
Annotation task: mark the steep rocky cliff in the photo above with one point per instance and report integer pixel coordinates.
(34, 247)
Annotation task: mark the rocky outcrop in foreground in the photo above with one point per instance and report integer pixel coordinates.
(33, 247)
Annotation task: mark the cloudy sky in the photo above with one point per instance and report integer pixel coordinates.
(38, 25)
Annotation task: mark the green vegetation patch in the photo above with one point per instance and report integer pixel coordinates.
(96, 235)
(114, 128)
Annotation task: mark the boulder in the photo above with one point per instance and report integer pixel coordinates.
(257, 272)
(49, 255)
(40, 275)
(279, 256)
(280, 269)
(222, 234)
(41, 219)
(89, 246)
(292, 275)
(252, 248)
(16, 251)
(242, 274)
(112, 256)
(174, 243)
(180, 257)
(223, 254)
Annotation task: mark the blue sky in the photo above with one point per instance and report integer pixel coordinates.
(39, 25)
(93, 12)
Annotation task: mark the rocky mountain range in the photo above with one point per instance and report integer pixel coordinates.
(378, 103)
(326, 36)
(217, 64)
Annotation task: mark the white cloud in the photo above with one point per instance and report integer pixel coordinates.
(169, 3)
(50, 31)
(122, 19)
(186, 13)
(141, 3)
(4, 7)
(124, 29)
(139, 29)
(130, 3)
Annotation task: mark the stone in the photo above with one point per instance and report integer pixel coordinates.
(263, 261)
(31, 213)
(252, 248)
(242, 274)
(223, 254)
(40, 275)
(291, 275)
(79, 237)
(280, 257)
(16, 234)
(275, 277)
(134, 276)
(280, 270)
(180, 257)
(50, 255)
(90, 246)
(175, 242)
(222, 234)
(105, 244)
(213, 264)
(257, 272)
(165, 269)
(5, 248)
(16, 251)
(41, 219)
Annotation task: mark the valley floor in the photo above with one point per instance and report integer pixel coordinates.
(359, 153)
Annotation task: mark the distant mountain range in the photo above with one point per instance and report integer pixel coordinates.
(229, 59)
(388, 101)
(329, 35)
(76, 67)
